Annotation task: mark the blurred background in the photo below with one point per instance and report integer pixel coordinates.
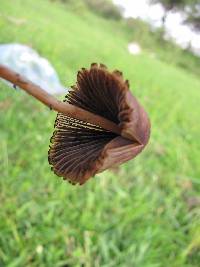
(145, 213)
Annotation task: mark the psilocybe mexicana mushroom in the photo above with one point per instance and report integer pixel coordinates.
(100, 124)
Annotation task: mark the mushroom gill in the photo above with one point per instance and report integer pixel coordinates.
(79, 149)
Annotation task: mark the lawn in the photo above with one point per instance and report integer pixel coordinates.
(143, 214)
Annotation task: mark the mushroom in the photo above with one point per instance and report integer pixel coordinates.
(99, 125)
(80, 150)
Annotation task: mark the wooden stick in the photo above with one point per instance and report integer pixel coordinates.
(53, 103)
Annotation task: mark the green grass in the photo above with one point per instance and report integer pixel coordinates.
(137, 216)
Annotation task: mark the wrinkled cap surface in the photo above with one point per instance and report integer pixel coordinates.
(78, 149)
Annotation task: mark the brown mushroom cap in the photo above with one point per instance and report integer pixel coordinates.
(78, 149)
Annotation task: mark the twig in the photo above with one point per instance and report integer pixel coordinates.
(53, 103)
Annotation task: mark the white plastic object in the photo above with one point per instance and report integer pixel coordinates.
(30, 64)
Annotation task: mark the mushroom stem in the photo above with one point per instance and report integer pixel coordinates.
(53, 103)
